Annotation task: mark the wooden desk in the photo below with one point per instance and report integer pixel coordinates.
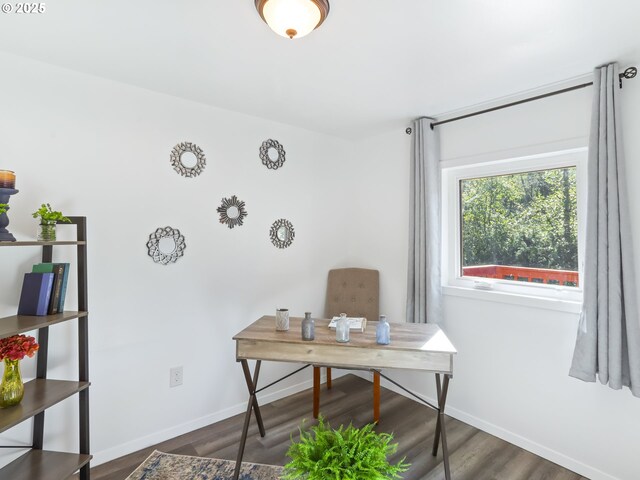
(413, 346)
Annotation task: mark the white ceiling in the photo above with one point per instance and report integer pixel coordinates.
(373, 65)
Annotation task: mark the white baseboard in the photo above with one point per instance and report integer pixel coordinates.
(166, 434)
(552, 455)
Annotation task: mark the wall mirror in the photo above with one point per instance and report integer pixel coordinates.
(232, 212)
(282, 233)
(272, 154)
(166, 245)
(188, 159)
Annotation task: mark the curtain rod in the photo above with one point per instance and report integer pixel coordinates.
(630, 72)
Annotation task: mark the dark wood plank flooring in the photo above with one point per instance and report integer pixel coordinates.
(474, 454)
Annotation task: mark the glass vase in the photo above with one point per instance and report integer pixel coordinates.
(342, 329)
(383, 336)
(47, 232)
(11, 388)
(308, 327)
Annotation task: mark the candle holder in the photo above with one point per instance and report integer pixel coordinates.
(5, 235)
(7, 179)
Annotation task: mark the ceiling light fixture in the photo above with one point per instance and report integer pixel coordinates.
(293, 18)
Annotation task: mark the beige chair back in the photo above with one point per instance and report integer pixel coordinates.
(354, 291)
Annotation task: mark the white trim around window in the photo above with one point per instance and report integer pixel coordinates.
(556, 297)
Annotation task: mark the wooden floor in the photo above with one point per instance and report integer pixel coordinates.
(474, 455)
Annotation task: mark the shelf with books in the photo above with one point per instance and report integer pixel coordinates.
(15, 324)
(42, 393)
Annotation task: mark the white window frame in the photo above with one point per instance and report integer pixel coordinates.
(562, 297)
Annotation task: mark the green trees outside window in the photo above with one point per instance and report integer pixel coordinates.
(525, 220)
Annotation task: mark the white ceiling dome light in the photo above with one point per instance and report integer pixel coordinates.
(293, 18)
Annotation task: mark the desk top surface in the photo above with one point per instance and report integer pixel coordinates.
(404, 336)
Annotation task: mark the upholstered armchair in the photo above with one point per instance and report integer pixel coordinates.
(356, 292)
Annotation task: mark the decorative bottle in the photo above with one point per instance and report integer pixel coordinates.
(342, 329)
(308, 327)
(383, 336)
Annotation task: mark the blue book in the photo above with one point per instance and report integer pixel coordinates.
(36, 293)
(61, 271)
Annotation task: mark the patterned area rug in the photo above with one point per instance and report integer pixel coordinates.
(167, 466)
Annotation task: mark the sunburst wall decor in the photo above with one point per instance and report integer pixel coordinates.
(232, 212)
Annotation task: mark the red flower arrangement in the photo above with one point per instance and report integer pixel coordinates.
(17, 347)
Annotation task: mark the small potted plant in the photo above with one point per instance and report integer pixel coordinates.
(3, 208)
(346, 453)
(48, 220)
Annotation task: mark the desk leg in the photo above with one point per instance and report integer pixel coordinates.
(252, 385)
(436, 438)
(440, 427)
(376, 396)
(316, 391)
(252, 404)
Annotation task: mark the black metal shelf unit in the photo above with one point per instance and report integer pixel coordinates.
(42, 393)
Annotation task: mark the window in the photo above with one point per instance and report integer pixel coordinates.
(521, 227)
(515, 225)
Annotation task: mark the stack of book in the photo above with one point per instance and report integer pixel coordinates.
(44, 289)
(356, 324)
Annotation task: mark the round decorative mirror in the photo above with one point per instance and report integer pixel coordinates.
(232, 211)
(282, 233)
(166, 245)
(188, 159)
(272, 154)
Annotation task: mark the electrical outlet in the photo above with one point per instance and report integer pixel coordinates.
(175, 376)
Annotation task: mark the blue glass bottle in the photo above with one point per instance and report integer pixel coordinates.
(383, 335)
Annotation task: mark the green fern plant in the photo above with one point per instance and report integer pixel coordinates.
(3, 208)
(344, 454)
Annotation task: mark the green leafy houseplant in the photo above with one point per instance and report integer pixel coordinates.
(3, 208)
(344, 454)
(48, 220)
(48, 216)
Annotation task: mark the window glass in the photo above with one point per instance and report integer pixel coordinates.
(521, 227)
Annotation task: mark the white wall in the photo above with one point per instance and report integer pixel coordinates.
(511, 371)
(97, 148)
(101, 149)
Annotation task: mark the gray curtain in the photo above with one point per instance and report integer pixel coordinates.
(424, 302)
(608, 342)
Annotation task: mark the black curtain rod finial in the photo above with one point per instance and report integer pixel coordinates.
(630, 72)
